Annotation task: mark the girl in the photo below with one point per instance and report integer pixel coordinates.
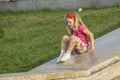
(79, 39)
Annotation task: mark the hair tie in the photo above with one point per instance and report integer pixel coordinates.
(71, 15)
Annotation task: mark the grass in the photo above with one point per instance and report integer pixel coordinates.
(32, 38)
(1, 33)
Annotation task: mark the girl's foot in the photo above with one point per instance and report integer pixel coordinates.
(65, 57)
(59, 58)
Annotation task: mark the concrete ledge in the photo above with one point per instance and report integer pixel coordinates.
(82, 66)
(4, 0)
(27, 5)
(105, 74)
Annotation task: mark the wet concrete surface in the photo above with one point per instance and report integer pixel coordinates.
(106, 47)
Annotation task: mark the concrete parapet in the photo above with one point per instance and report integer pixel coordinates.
(27, 5)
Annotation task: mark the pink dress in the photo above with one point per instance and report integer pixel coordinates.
(79, 33)
(82, 44)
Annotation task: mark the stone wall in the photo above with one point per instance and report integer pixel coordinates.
(26, 5)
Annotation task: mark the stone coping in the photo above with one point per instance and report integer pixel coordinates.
(81, 75)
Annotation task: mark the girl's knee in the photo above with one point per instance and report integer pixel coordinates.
(65, 37)
(73, 37)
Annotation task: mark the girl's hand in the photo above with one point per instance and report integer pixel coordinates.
(90, 49)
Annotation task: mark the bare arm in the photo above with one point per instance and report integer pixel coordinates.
(91, 37)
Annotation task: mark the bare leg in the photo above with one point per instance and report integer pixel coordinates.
(72, 43)
(65, 42)
(64, 45)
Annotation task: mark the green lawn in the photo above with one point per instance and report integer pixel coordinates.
(32, 38)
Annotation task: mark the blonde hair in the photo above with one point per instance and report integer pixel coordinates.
(77, 21)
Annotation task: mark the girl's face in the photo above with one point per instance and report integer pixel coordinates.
(70, 23)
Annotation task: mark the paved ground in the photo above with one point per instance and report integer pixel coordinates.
(106, 47)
